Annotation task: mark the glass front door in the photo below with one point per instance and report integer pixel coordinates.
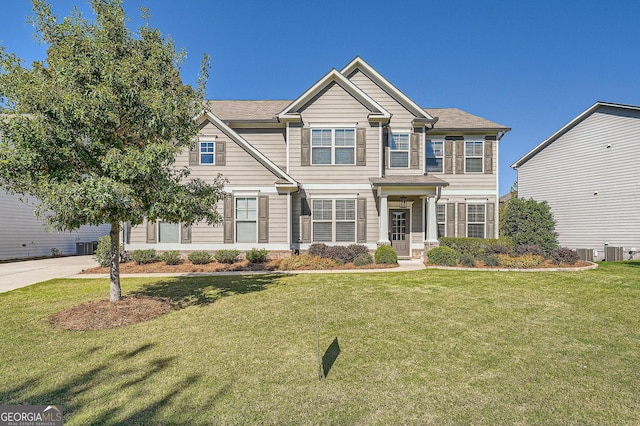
(399, 231)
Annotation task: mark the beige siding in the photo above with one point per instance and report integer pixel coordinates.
(23, 235)
(270, 142)
(568, 173)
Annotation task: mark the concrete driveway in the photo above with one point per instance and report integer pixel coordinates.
(20, 274)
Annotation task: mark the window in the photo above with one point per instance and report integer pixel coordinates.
(246, 220)
(473, 156)
(168, 232)
(435, 152)
(399, 150)
(333, 146)
(475, 220)
(441, 219)
(207, 152)
(324, 220)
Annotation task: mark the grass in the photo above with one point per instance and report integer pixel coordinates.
(428, 347)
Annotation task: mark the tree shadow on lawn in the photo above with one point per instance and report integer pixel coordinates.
(202, 291)
(108, 378)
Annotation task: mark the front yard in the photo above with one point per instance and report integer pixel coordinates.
(426, 347)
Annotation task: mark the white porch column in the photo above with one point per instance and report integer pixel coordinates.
(432, 221)
(383, 237)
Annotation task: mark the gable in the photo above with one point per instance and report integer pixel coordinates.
(334, 104)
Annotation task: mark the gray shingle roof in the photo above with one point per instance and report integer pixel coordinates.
(261, 110)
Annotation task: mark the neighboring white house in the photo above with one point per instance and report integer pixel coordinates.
(23, 235)
(589, 175)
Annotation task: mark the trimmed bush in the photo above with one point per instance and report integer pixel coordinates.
(340, 254)
(363, 259)
(317, 249)
(257, 255)
(227, 256)
(468, 260)
(386, 254)
(497, 249)
(200, 257)
(142, 257)
(102, 255)
(442, 255)
(529, 249)
(519, 262)
(491, 260)
(564, 255)
(358, 249)
(474, 246)
(171, 257)
(527, 221)
(306, 261)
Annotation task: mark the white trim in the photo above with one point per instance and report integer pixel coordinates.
(207, 139)
(496, 213)
(381, 150)
(209, 246)
(467, 192)
(253, 189)
(288, 143)
(336, 186)
(289, 221)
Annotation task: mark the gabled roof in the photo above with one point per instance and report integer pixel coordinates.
(570, 126)
(456, 119)
(250, 149)
(377, 112)
(255, 111)
(384, 84)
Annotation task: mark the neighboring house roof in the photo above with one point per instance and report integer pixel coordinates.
(456, 119)
(506, 197)
(378, 113)
(570, 126)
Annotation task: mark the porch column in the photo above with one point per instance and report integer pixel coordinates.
(432, 221)
(383, 237)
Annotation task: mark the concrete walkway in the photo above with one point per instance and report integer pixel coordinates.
(20, 274)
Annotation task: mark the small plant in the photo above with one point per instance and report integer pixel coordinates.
(318, 249)
(306, 261)
(491, 260)
(257, 255)
(339, 254)
(519, 262)
(102, 255)
(142, 257)
(529, 249)
(171, 257)
(363, 259)
(200, 257)
(227, 256)
(386, 254)
(468, 260)
(442, 255)
(564, 255)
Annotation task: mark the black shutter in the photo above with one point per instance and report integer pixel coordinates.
(263, 219)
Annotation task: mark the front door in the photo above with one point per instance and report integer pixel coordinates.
(399, 227)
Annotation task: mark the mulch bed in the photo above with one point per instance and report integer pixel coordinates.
(103, 314)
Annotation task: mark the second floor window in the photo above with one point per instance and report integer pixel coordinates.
(207, 152)
(399, 150)
(435, 152)
(473, 156)
(333, 146)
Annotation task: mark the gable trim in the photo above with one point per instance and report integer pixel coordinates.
(568, 127)
(384, 84)
(250, 149)
(378, 113)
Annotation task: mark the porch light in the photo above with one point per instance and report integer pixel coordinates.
(403, 202)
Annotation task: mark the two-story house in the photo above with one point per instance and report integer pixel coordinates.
(351, 160)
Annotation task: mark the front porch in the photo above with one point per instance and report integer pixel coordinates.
(407, 212)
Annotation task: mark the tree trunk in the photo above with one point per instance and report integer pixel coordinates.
(115, 292)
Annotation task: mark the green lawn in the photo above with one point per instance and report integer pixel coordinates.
(428, 347)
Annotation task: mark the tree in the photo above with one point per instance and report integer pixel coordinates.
(527, 221)
(93, 131)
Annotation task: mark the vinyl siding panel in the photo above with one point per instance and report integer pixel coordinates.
(270, 142)
(568, 172)
(23, 235)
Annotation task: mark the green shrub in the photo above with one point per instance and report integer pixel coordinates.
(227, 256)
(257, 255)
(442, 255)
(491, 260)
(171, 257)
(497, 249)
(200, 257)
(142, 257)
(306, 261)
(529, 249)
(102, 255)
(474, 246)
(467, 260)
(527, 221)
(564, 255)
(363, 259)
(386, 254)
(519, 262)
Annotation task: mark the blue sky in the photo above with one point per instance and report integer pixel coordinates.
(529, 65)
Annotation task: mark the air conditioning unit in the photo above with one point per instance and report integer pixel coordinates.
(613, 254)
(585, 254)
